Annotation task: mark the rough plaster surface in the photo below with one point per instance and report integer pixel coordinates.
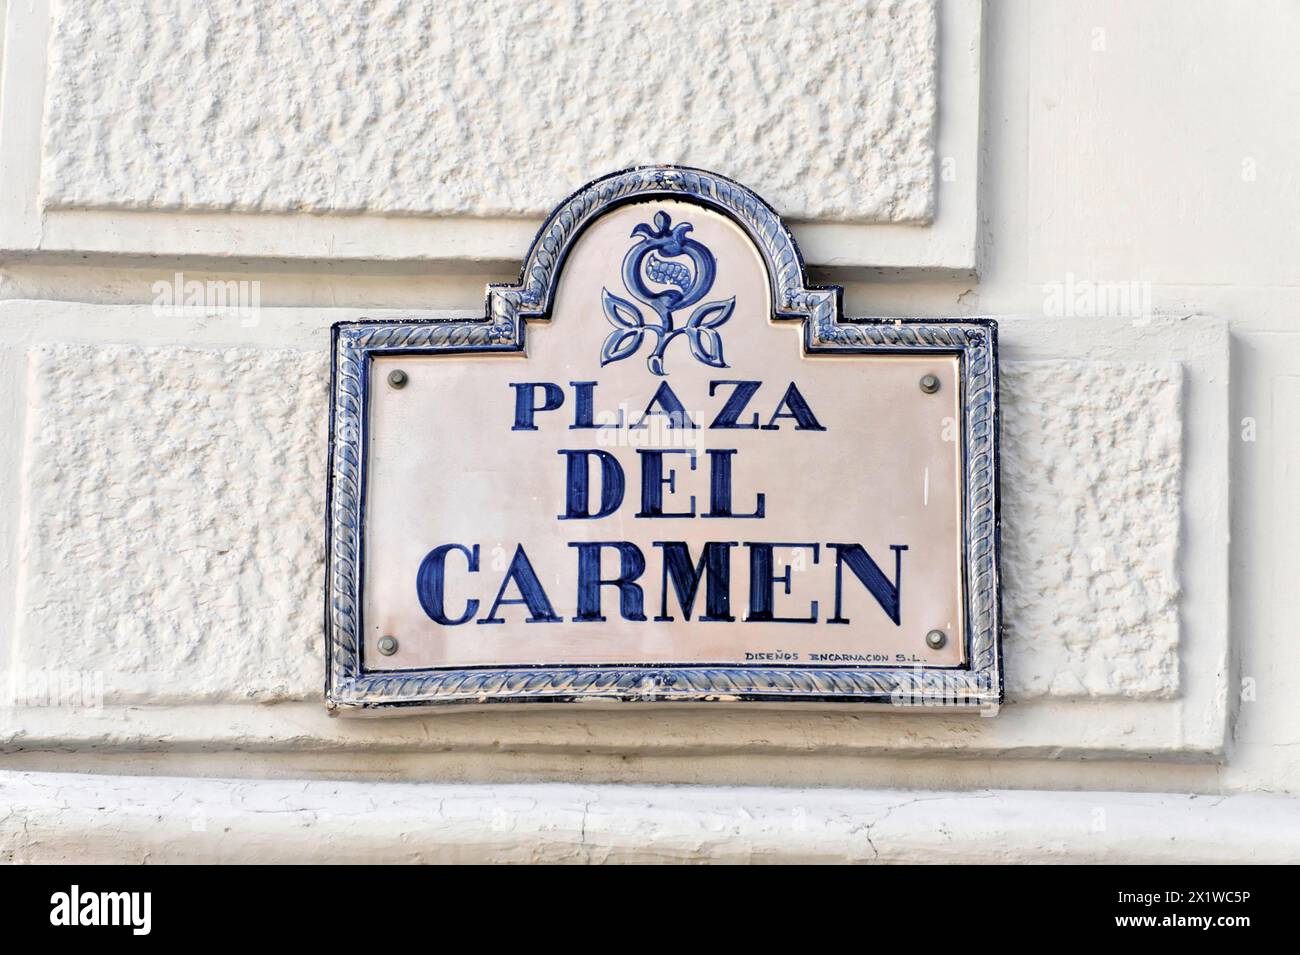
(174, 503)
(1091, 491)
(468, 108)
(61, 817)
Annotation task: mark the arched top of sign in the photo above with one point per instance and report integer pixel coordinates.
(792, 296)
(657, 272)
(509, 307)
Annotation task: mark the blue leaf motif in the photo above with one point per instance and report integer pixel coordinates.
(706, 345)
(712, 314)
(656, 364)
(620, 312)
(621, 343)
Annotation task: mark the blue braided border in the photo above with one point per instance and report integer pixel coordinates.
(501, 328)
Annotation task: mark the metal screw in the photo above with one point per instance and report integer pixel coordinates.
(397, 378)
(929, 384)
(387, 645)
(935, 639)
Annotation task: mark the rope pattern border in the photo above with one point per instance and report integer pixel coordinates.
(502, 329)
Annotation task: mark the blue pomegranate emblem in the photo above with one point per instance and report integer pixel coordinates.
(669, 272)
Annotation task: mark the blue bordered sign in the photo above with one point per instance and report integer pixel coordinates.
(663, 467)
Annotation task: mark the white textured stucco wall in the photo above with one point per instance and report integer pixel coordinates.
(397, 107)
(1120, 174)
(1090, 515)
(173, 501)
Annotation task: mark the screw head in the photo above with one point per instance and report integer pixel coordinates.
(397, 378)
(929, 384)
(387, 645)
(935, 639)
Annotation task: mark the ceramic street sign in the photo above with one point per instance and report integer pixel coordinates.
(663, 468)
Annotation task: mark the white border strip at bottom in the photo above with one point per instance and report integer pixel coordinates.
(67, 817)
